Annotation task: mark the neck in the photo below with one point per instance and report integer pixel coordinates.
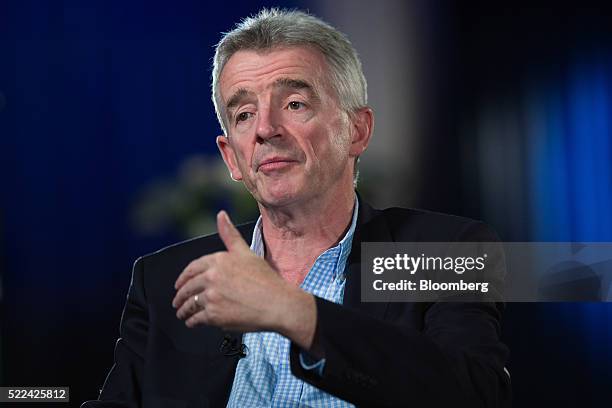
(296, 235)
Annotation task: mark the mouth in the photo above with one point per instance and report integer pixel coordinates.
(274, 164)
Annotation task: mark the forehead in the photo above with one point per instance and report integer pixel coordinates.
(256, 70)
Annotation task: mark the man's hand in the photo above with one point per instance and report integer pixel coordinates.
(238, 290)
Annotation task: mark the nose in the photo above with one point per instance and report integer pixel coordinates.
(268, 125)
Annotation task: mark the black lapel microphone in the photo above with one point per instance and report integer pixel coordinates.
(230, 348)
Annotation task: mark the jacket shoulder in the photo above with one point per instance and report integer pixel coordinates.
(410, 224)
(195, 247)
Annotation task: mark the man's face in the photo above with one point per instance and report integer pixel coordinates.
(288, 140)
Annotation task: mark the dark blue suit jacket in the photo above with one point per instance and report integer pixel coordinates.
(377, 354)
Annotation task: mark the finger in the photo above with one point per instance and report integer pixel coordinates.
(190, 288)
(190, 307)
(194, 268)
(198, 318)
(229, 234)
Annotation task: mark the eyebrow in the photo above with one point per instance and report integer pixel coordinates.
(289, 83)
(238, 96)
(292, 84)
(297, 84)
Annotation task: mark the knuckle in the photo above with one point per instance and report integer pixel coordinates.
(190, 268)
(222, 257)
(211, 275)
(186, 294)
(206, 278)
(181, 296)
(211, 295)
(213, 318)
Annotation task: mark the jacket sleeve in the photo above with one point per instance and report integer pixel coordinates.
(456, 361)
(456, 358)
(123, 385)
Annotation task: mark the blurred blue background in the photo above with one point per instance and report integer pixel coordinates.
(107, 152)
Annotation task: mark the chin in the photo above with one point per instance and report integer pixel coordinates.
(277, 199)
(279, 196)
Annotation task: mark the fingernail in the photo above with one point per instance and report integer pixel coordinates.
(225, 215)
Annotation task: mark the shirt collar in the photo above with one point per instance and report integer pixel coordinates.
(257, 242)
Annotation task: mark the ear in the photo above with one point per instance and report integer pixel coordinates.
(229, 157)
(361, 127)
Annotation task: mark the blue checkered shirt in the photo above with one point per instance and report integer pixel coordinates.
(263, 378)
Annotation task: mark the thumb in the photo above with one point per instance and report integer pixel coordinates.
(229, 234)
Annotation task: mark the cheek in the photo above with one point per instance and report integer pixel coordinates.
(244, 152)
(335, 139)
(242, 156)
(341, 142)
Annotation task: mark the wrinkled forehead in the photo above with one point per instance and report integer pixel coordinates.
(256, 70)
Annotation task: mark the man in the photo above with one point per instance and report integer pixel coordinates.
(216, 321)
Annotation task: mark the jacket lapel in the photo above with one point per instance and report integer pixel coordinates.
(371, 227)
(246, 230)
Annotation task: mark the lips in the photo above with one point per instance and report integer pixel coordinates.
(274, 163)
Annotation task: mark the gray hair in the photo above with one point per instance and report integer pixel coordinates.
(277, 28)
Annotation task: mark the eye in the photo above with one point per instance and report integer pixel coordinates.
(242, 116)
(295, 105)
